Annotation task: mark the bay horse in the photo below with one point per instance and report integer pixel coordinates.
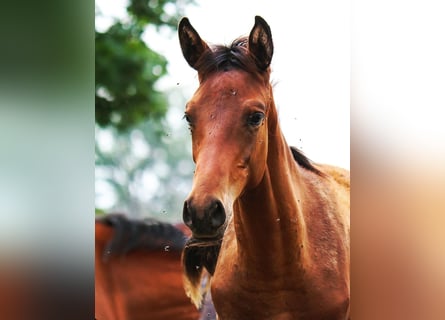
(269, 225)
(138, 272)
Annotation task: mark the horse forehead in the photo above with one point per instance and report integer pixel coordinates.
(230, 84)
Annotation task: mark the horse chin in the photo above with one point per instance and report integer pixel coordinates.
(199, 253)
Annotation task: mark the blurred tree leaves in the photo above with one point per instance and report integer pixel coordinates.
(149, 170)
(127, 68)
(143, 160)
(126, 71)
(157, 12)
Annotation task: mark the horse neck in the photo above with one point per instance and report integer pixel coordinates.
(269, 222)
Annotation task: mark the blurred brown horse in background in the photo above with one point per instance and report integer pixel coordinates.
(271, 226)
(138, 272)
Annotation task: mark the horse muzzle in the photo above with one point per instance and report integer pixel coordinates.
(205, 218)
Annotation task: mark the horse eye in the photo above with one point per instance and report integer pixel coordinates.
(187, 118)
(255, 119)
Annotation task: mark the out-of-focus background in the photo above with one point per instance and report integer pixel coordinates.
(52, 177)
(143, 149)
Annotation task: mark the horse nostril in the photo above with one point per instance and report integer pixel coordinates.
(204, 220)
(186, 215)
(217, 214)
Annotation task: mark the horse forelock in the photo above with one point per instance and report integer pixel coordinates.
(147, 234)
(224, 58)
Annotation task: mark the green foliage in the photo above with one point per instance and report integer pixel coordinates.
(154, 11)
(127, 69)
(147, 179)
(99, 212)
(145, 167)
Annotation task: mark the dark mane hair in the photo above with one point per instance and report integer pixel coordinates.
(304, 162)
(225, 58)
(147, 234)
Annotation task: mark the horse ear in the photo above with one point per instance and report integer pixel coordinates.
(191, 43)
(260, 43)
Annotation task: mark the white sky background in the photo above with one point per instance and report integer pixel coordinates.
(310, 66)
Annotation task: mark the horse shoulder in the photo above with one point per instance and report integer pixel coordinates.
(328, 224)
(340, 183)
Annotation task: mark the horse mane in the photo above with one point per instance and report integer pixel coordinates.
(304, 161)
(147, 234)
(224, 58)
